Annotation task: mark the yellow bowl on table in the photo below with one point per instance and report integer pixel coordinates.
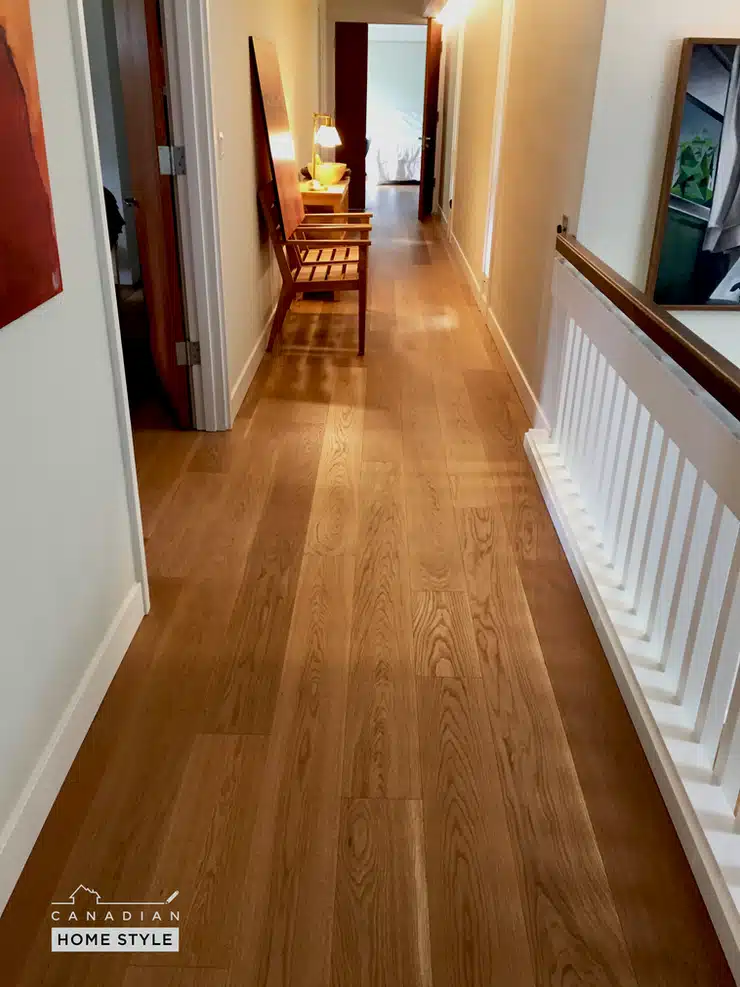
(330, 172)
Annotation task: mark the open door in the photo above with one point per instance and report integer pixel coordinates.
(350, 86)
(431, 113)
(143, 78)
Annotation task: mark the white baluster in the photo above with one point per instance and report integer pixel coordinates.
(645, 516)
(723, 661)
(707, 605)
(635, 475)
(700, 539)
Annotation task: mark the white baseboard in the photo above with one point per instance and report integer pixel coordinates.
(462, 262)
(714, 886)
(532, 406)
(527, 396)
(21, 830)
(250, 368)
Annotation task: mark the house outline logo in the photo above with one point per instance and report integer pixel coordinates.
(82, 888)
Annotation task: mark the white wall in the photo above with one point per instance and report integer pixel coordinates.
(66, 555)
(250, 278)
(111, 129)
(632, 112)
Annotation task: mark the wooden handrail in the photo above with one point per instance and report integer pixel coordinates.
(713, 371)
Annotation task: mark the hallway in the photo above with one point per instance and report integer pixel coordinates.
(367, 731)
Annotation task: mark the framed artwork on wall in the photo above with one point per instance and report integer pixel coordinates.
(29, 257)
(695, 262)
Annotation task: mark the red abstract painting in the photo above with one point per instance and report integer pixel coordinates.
(29, 258)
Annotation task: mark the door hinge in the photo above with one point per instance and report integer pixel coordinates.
(188, 353)
(171, 160)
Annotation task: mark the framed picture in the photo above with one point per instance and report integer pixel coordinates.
(29, 258)
(695, 262)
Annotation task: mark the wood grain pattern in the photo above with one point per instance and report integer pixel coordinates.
(383, 437)
(205, 848)
(477, 919)
(381, 933)
(244, 687)
(422, 433)
(460, 433)
(173, 545)
(334, 518)
(572, 922)
(444, 640)
(350, 780)
(381, 754)
(153, 977)
(434, 553)
(288, 896)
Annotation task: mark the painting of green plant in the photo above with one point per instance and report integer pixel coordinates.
(695, 169)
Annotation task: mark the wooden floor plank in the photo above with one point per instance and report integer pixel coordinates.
(162, 456)
(244, 685)
(444, 639)
(173, 547)
(572, 921)
(477, 920)
(382, 749)
(288, 895)
(423, 447)
(205, 849)
(334, 516)
(381, 933)
(434, 552)
(460, 432)
(383, 437)
(154, 977)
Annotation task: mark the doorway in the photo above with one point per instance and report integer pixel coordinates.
(386, 103)
(396, 67)
(125, 42)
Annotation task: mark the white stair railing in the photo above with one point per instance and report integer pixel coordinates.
(640, 468)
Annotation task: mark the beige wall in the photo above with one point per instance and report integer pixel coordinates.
(481, 41)
(249, 276)
(549, 101)
(451, 40)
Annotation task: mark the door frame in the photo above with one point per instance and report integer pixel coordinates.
(188, 64)
(189, 80)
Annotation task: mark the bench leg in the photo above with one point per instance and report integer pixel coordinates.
(362, 312)
(283, 306)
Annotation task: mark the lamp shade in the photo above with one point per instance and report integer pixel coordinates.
(328, 136)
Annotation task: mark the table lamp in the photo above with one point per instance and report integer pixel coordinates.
(325, 135)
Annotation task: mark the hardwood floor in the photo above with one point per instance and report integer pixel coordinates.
(367, 731)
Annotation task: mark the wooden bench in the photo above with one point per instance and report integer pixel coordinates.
(319, 257)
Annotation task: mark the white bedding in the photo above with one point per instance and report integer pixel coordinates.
(395, 148)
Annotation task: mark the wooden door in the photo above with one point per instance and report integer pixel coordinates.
(350, 87)
(143, 79)
(431, 115)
